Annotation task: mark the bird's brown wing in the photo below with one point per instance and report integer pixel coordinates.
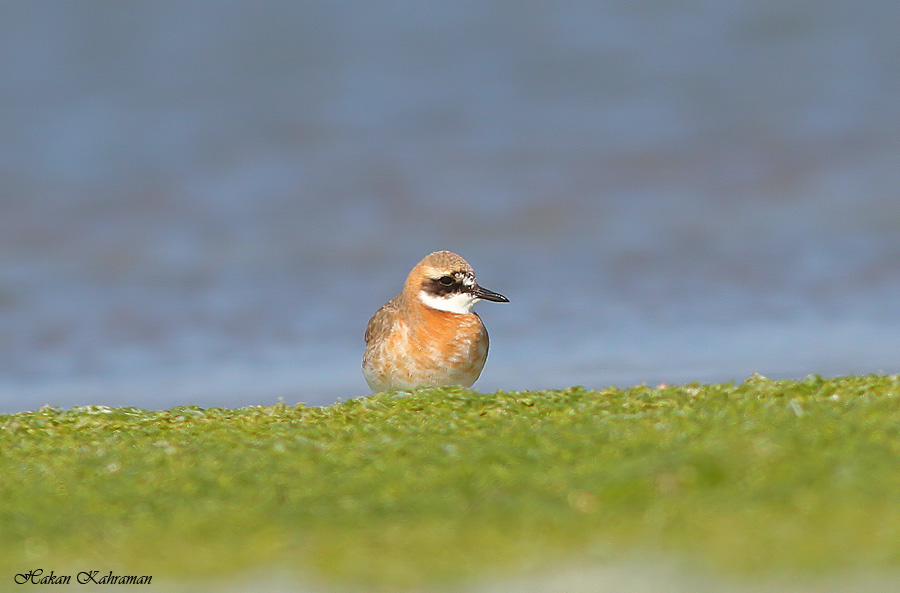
(379, 324)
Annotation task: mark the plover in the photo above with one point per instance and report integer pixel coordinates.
(428, 335)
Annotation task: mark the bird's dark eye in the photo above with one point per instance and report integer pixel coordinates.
(446, 280)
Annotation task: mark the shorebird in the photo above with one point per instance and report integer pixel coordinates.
(428, 335)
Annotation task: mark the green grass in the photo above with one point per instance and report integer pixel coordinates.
(444, 485)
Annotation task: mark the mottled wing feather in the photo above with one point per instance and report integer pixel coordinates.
(378, 325)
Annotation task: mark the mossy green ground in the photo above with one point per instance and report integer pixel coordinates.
(444, 485)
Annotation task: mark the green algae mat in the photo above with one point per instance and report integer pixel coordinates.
(438, 486)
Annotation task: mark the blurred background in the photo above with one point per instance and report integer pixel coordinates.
(204, 202)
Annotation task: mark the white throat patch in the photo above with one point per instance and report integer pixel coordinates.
(457, 302)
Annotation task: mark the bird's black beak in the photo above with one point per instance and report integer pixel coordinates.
(489, 295)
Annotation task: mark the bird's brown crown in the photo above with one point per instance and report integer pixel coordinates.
(434, 266)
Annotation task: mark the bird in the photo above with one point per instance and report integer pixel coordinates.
(428, 335)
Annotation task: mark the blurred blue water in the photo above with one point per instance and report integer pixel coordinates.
(203, 203)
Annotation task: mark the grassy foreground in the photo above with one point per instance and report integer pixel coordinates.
(443, 485)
